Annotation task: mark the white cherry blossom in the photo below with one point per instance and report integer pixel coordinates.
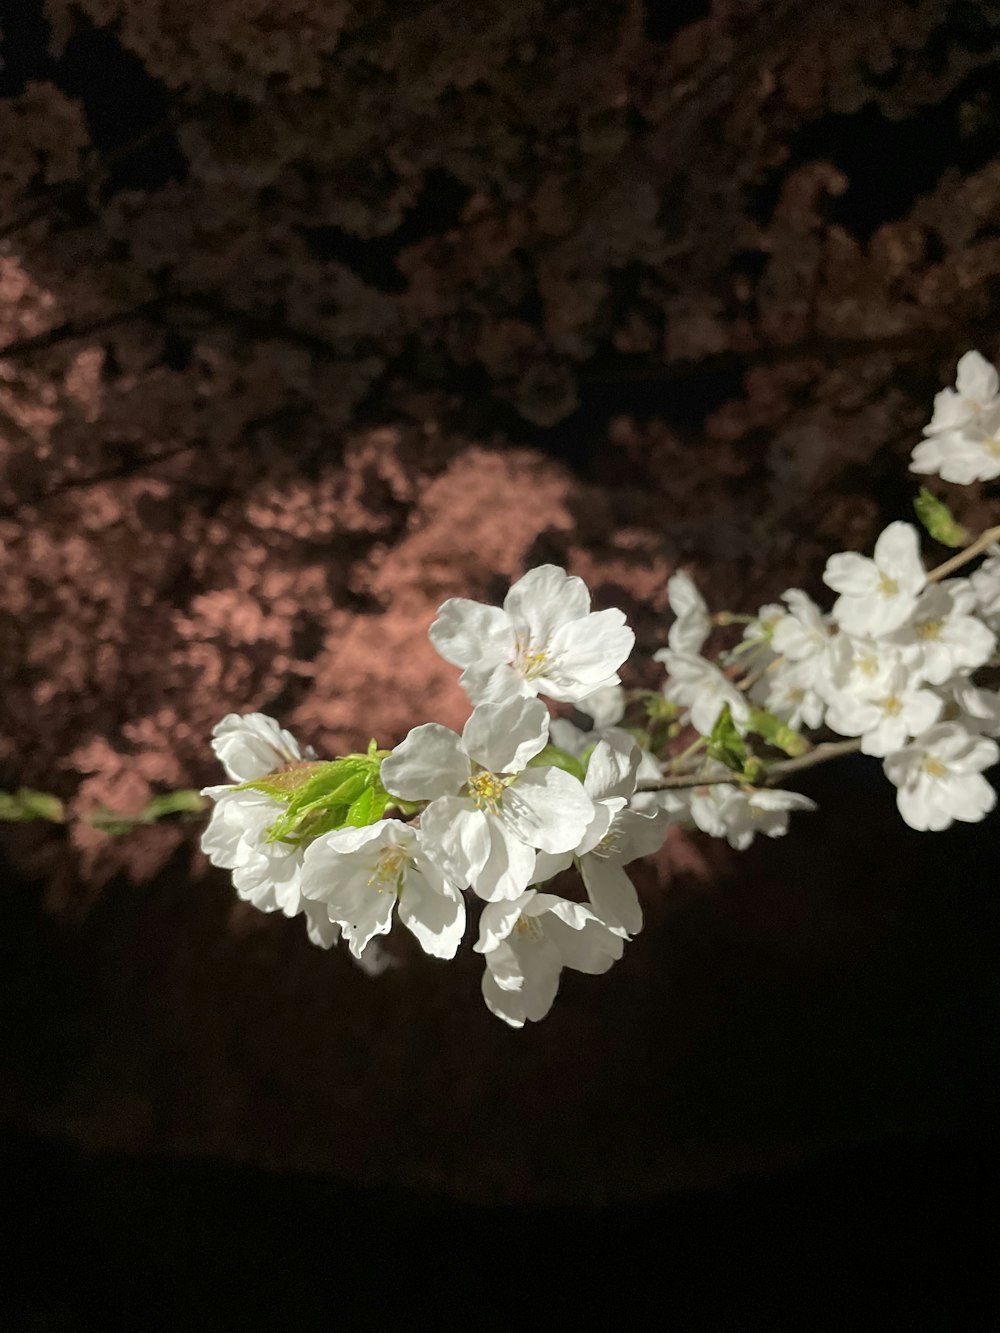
(488, 811)
(615, 836)
(944, 637)
(965, 455)
(985, 584)
(359, 875)
(939, 777)
(762, 628)
(694, 623)
(787, 692)
(977, 709)
(893, 709)
(702, 689)
(266, 874)
(738, 814)
(804, 636)
(877, 595)
(527, 942)
(253, 745)
(976, 393)
(545, 640)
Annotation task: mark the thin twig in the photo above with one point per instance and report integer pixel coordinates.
(963, 557)
(819, 754)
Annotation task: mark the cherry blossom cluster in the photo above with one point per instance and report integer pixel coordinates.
(488, 822)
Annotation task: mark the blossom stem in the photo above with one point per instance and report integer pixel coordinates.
(957, 561)
(773, 777)
(693, 748)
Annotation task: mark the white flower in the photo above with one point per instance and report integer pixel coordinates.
(985, 583)
(615, 836)
(527, 943)
(360, 874)
(858, 665)
(763, 626)
(253, 745)
(894, 708)
(701, 687)
(963, 456)
(942, 638)
(803, 636)
(488, 812)
(545, 640)
(325, 933)
(939, 777)
(738, 814)
(878, 594)
(693, 624)
(974, 395)
(267, 874)
(978, 709)
(787, 692)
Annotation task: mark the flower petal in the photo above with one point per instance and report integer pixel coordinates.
(252, 745)
(433, 911)
(613, 766)
(468, 633)
(508, 868)
(897, 553)
(499, 919)
(592, 949)
(455, 835)
(612, 893)
(429, 763)
(545, 598)
(547, 808)
(502, 737)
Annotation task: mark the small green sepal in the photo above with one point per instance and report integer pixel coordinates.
(939, 521)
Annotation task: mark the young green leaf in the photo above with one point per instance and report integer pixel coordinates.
(726, 744)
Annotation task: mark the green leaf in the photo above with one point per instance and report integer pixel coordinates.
(939, 521)
(25, 805)
(283, 785)
(777, 733)
(553, 757)
(726, 744)
(360, 810)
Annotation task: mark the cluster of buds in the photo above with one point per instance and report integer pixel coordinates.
(898, 668)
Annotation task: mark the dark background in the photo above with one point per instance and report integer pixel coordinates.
(312, 317)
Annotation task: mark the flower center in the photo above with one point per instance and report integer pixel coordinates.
(992, 446)
(928, 629)
(529, 926)
(868, 665)
(887, 586)
(486, 789)
(934, 768)
(609, 844)
(892, 706)
(388, 870)
(531, 662)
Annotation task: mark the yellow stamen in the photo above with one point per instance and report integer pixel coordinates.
(928, 629)
(887, 587)
(934, 767)
(387, 873)
(528, 925)
(486, 789)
